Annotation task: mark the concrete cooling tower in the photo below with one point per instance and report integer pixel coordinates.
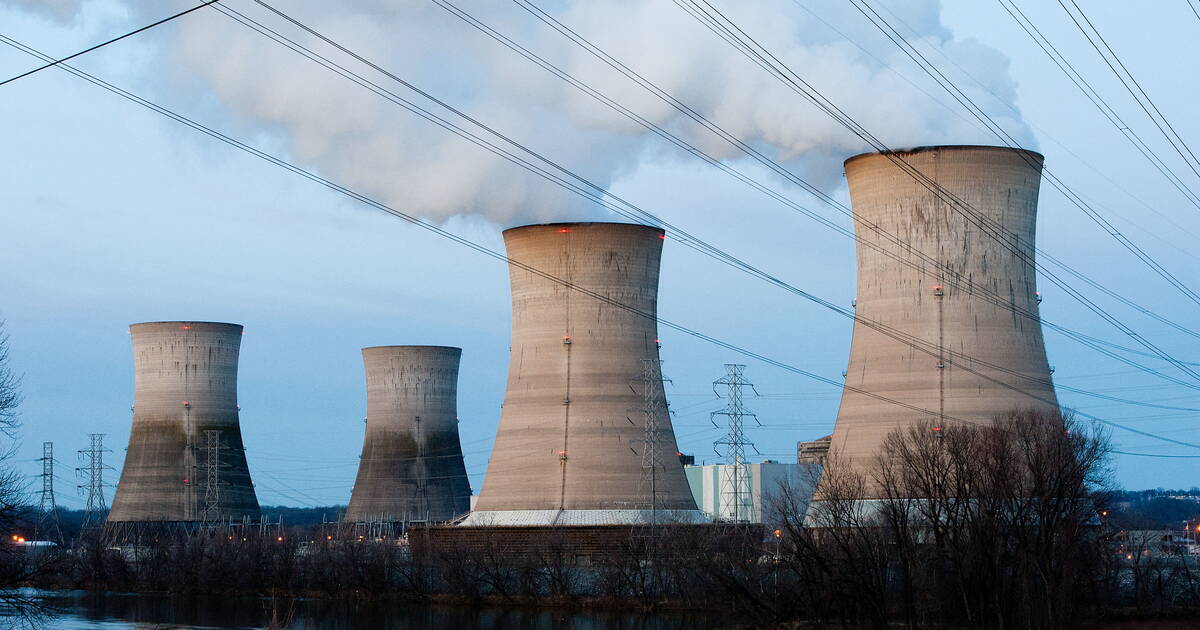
(412, 464)
(571, 445)
(964, 300)
(185, 461)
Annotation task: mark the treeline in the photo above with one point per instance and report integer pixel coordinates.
(1006, 534)
(66, 525)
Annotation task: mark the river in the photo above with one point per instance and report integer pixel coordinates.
(79, 610)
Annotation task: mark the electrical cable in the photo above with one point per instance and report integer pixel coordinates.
(642, 215)
(774, 166)
(1188, 194)
(957, 93)
(1157, 116)
(482, 249)
(85, 51)
(1096, 99)
(467, 242)
(787, 174)
(769, 62)
(262, 29)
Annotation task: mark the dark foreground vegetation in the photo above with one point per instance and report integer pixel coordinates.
(1008, 534)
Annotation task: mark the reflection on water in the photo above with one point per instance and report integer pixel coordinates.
(80, 610)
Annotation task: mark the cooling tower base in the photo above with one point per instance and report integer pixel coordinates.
(580, 518)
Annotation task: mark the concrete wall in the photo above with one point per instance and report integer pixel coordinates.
(571, 430)
(185, 383)
(1000, 183)
(412, 464)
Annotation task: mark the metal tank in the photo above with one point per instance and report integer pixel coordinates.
(572, 444)
(412, 464)
(953, 310)
(185, 461)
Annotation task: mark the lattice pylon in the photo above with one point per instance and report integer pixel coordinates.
(93, 474)
(48, 525)
(654, 410)
(737, 499)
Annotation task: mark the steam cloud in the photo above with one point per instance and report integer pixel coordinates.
(368, 144)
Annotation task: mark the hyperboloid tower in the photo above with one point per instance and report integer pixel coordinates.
(572, 440)
(185, 387)
(412, 464)
(947, 300)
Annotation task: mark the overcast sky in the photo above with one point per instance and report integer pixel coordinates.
(111, 214)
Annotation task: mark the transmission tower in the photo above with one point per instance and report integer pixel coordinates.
(93, 474)
(653, 410)
(737, 500)
(212, 477)
(47, 508)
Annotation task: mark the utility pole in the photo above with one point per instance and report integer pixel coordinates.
(737, 501)
(93, 473)
(47, 507)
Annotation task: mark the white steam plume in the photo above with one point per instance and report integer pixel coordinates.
(367, 143)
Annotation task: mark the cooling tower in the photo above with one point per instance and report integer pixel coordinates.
(412, 464)
(966, 313)
(185, 460)
(571, 445)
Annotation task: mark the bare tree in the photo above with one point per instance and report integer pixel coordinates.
(18, 565)
(995, 525)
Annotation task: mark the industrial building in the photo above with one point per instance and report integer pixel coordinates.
(947, 300)
(411, 469)
(185, 461)
(573, 447)
(772, 485)
(813, 452)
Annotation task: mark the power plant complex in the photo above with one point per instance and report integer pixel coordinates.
(946, 330)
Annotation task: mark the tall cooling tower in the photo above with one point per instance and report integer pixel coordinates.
(572, 438)
(185, 460)
(412, 463)
(945, 308)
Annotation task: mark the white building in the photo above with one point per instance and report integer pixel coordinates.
(769, 484)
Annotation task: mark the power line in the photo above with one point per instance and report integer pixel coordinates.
(958, 94)
(1126, 77)
(85, 51)
(1188, 194)
(995, 299)
(686, 239)
(492, 253)
(1105, 109)
(1132, 402)
(438, 230)
(748, 46)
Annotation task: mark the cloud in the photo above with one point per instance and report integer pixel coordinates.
(60, 10)
(367, 143)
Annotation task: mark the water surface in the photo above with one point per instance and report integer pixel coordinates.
(78, 610)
